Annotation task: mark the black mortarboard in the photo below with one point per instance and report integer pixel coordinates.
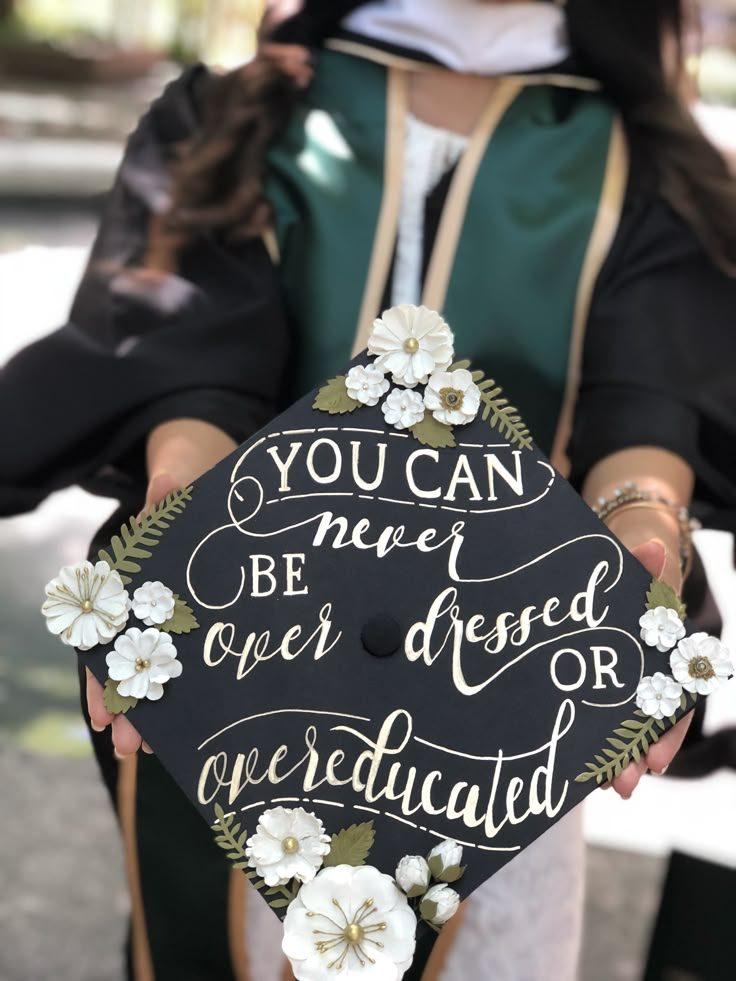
(403, 643)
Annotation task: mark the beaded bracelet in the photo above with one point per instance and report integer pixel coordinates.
(630, 497)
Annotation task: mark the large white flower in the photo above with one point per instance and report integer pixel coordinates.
(410, 343)
(403, 409)
(661, 628)
(366, 384)
(289, 843)
(153, 603)
(142, 661)
(412, 875)
(86, 605)
(452, 397)
(658, 695)
(351, 922)
(440, 904)
(701, 663)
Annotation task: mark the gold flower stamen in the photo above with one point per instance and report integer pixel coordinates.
(452, 398)
(700, 667)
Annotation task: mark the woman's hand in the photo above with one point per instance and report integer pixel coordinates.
(652, 535)
(178, 452)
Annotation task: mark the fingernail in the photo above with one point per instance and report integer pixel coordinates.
(97, 728)
(120, 756)
(660, 773)
(147, 749)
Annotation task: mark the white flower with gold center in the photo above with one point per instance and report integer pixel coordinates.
(661, 628)
(289, 843)
(701, 663)
(403, 409)
(353, 923)
(142, 661)
(86, 605)
(658, 695)
(410, 343)
(366, 384)
(452, 397)
(153, 603)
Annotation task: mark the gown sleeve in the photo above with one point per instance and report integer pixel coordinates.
(208, 342)
(659, 361)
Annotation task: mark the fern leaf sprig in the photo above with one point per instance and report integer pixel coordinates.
(139, 535)
(630, 741)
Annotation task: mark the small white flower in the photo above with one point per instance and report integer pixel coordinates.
(403, 409)
(153, 603)
(658, 695)
(440, 904)
(412, 875)
(366, 384)
(661, 628)
(701, 663)
(142, 662)
(86, 605)
(350, 923)
(445, 857)
(410, 343)
(452, 397)
(289, 843)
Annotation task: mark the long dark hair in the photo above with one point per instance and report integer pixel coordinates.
(218, 181)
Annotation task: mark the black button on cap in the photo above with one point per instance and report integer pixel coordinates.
(381, 636)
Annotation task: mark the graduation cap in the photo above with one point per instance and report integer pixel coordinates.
(383, 647)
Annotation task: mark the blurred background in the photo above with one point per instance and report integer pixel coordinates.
(74, 77)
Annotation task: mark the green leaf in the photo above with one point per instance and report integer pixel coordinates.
(451, 874)
(182, 620)
(660, 594)
(226, 836)
(351, 845)
(115, 703)
(333, 398)
(504, 417)
(278, 903)
(430, 432)
(144, 530)
(457, 365)
(428, 909)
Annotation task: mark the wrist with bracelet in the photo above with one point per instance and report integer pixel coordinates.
(630, 497)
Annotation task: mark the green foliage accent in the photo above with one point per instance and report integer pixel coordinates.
(428, 909)
(230, 838)
(430, 432)
(139, 535)
(115, 703)
(631, 740)
(660, 594)
(451, 874)
(182, 620)
(503, 417)
(333, 398)
(351, 846)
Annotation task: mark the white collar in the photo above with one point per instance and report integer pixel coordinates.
(468, 35)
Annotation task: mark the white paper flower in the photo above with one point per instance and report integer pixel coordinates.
(350, 923)
(86, 605)
(658, 695)
(445, 857)
(153, 603)
(452, 397)
(440, 904)
(403, 408)
(366, 384)
(289, 843)
(412, 875)
(410, 343)
(142, 662)
(661, 628)
(701, 663)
